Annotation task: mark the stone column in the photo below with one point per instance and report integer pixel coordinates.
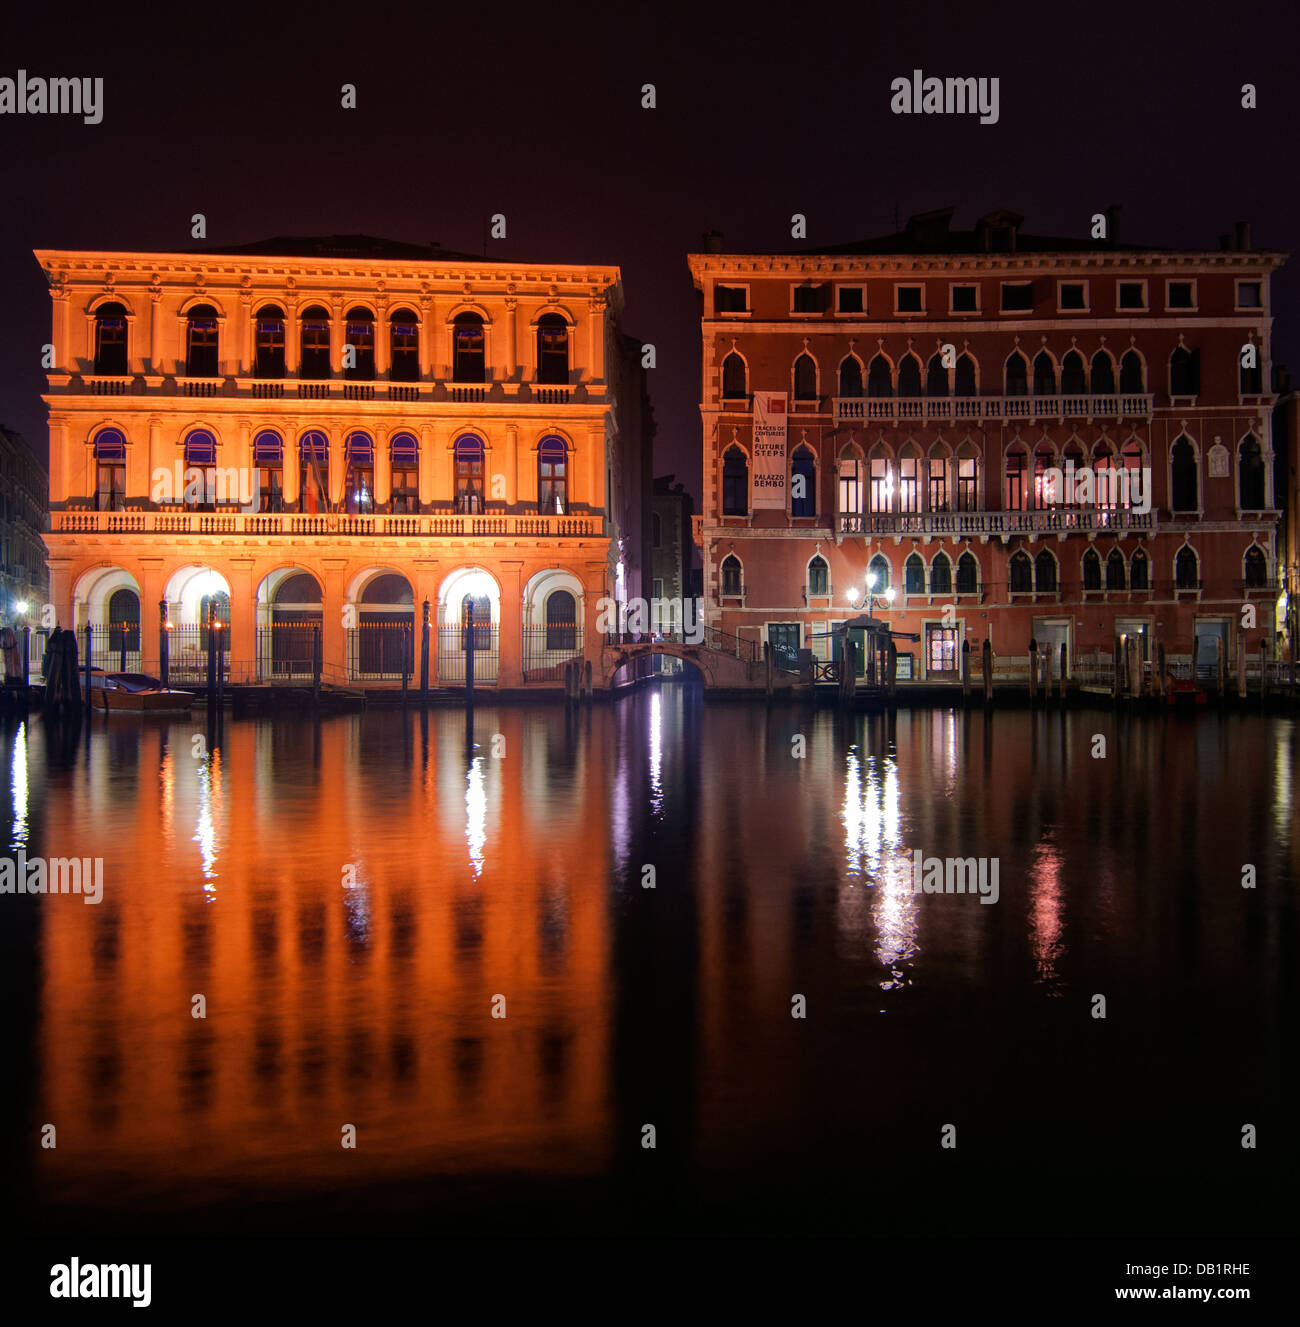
(333, 635)
(337, 466)
(595, 340)
(382, 342)
(155, 333)
(512, 465)
(291, 465)
(246, 328)
(292, 338)
(152, 585)
(510, 352)
(435, 466)
(510, 669)
(64, 361)
(383, 472)
(242, 645)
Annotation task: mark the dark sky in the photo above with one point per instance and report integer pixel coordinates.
(762, 112)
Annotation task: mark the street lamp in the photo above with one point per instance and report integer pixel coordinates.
(873, 584)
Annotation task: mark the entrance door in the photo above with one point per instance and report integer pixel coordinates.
(783, 643)
(1210, 636)
(941, 651)
(1051, 635)
(858, 636)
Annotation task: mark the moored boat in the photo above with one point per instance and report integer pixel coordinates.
(135, 693)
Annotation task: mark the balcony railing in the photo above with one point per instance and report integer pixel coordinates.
(428, 526)
(318, 389)
(951, 409)
(1082, 520)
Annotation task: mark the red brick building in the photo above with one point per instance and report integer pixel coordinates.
(1019, 436)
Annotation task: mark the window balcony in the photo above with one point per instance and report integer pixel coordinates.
(1052, 520)
(952, 409)
(233, 522)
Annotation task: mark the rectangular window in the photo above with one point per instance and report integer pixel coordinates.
(1015, 483)
(270, 490)
(1250, 295)
(1182, 295)
(1072, 295)
(909, 488)
(112, 485)
(938, 494)
(269, 359)
(852, 299)
(882, 485)
(809, 299)
(783, 642)
(730, 299)
(406, 352)
(405, 500)
(818, 577)
(850, 488)
(1132, 294)
(909, 299)
(361, 337)
(1017, 296)
(965, 299)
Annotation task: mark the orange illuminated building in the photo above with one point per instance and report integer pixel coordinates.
(326, 436)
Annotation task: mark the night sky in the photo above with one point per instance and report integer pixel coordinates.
(762, 112)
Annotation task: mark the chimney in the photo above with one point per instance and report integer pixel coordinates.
(713, 241)
(1243, 236)
(1112, 223)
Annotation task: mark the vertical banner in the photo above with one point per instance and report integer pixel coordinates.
(769, 450)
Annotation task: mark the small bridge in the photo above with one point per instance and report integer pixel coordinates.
(726, 662)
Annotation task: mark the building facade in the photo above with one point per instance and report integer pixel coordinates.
(325, 436)
(24, 490)
(990, 435)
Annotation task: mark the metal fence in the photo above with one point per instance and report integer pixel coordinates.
(187, 653)
(452, 641)
(548, 648)
(286, 651)
(381, 651)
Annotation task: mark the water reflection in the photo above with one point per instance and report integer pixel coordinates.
(513, 885)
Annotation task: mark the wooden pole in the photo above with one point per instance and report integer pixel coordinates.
(316, 665)
(1263, 669)
(986, 667)
(1241, 666)
(1158, 673)
(89, 651)
(1033, 671)
(965, 673)
(1065, 667)
(424, 654)
(1221, 667)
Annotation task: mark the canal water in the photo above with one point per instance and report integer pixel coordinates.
(510, 959)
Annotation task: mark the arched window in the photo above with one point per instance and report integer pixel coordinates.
(803, 482)
(1132, 380)
(735, 483)
(359, 481)
(314, 472)
(110, 467)
(1045, 573)
(914, 575)
(359, 333)
(1015, 477)
(940, 574)
(561, 621)
(1185, 486)
(552, 478)
(734, 378)
(1074, 380)
(936, 495)
(268, 458)
(1115, 570)
(878, 574)
(880, 493)
(1185, 570)
(124, 621)
(1184, 372)
(404, 457)
(1103, 375)
(1045, 494)
(909, 479)
(968, 498)
(110, 340)
(1044, 375)
(1091, 570)
(965, 384)
(936, 377)
(1256, 565)
(1252, 376)
(805, 378)
(850, 377)
(909, 376)
(467, 348)
(468, 454)
(201, 464)
(268, 342)
(1017, 375)
(314, 358)
(201, 342)
(1020, 572)
(968, 574)
(552, 349)
(1139, 571)
(731, 576)
(403, 346)
(1252, 493)
(879, 380)
(819, 576)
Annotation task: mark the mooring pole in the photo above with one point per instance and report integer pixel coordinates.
(89, 643)
(424, 654)
(467, 616)
(965, 673)
(407, 645)
(316, 664)
(27, 665)
(1033, 671)
(164, 643)
(986, 667)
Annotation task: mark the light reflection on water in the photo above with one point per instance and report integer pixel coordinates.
(469, 880)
